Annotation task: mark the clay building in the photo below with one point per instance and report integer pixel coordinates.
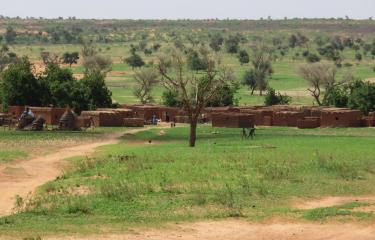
(104, 118)
(340, 117)
(133, 122)
(233, 120)
(147, 112)
(286, 118)
(308, 122)
(263, 117)
(49, 114)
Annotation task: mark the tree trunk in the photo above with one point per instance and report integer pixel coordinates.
(252, 91)
(193, 132)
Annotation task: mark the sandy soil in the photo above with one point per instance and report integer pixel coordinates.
(22, 177)
(242, 230)
(331, 201)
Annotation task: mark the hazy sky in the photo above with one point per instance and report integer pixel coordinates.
(177, 9)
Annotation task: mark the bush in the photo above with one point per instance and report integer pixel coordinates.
(336, 97)
(276, 99)
(362, 97)
(311, 57)
(225, 97)
(171, 99)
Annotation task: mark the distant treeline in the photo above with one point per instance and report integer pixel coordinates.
(72, 30)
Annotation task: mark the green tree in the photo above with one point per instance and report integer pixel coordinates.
(250, 80)
(10, 35)
(216, 41)
(232, 44)
(6, 57)
(312, 58)
(362, 96)
(60, 83)
(134, 61)
(224, 97)
(195, 61)
(243, 57)
(98, 95)
(171, 98)
(276, 99)
(20, 86)
(70, 58)
(358, 57)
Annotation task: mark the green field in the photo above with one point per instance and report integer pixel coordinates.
(21, 144)
(134, 183)
(285, 77)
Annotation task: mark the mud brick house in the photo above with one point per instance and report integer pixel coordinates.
(312, 111)
(51, 115)
(367, 122)
(208, 112)
(124, 113)
(133, 122)
(182, 119)
(233, 120)
(308, 122)
(286, 118)
(146, 112)
(338, 117)
(104, 118)
(83, 122)
(263, 115)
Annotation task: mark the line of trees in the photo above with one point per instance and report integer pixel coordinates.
(56, 86)
(328, 90)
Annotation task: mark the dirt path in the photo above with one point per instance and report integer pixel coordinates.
(331, 201)
(23, 177)
(242, 230)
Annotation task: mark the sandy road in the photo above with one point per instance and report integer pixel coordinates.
(242, 230)
(22, 177)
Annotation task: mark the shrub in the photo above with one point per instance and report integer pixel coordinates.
(311, 57)
(171, 99)
(362, 96)
(336, 97)
(276, 99)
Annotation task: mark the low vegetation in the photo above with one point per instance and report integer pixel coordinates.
(136, 183)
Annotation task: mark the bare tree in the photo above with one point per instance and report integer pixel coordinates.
(145, 80)
(93, 61)
(48, 58)
(195, 89)
(320, 76)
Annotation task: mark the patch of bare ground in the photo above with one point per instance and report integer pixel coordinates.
(331, 202)
(242, 230)
(366, 209)
(20, 178)
(296, 93)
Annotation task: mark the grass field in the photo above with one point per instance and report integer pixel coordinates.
(134, 183)
(21, 144)
(121, 82)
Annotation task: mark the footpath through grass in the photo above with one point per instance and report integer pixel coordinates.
(22, 144)
(135, 183)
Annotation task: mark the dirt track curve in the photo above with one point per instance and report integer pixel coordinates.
(242, 230)
(27, 175)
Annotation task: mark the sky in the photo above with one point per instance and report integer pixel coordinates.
(192, 9)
